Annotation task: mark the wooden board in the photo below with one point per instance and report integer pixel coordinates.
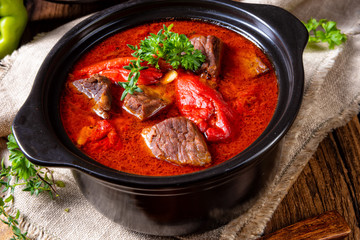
(326, 226)
(330, 181)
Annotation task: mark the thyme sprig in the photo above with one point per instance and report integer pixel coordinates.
(130, 86)
(12, 221)
(35, 180)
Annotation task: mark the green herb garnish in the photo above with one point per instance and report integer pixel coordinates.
(35, 179)
(130, 85)
(176, 49)
(327, 33)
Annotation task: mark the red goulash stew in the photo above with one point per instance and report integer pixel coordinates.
(181, 121)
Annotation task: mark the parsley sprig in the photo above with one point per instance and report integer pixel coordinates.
(328, 32)
(35, 180)
(176, 49)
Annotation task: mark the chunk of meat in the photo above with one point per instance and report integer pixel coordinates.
(96, 87)
(211, 47)
(143, 106)
(177, 140)
(253, 65)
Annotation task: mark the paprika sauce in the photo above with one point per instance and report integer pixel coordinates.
(243, 99)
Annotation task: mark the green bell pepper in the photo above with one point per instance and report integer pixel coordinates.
(13, 19)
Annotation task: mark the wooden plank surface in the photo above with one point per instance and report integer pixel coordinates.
(331, 180)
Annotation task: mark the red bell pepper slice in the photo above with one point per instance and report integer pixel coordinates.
(113, 69)
(104, 136)
(205, 107)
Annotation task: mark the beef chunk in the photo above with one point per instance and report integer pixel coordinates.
(143, 106)
(211, 47)
(96, 87)
(177, 140)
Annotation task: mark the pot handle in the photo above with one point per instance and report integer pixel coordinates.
(277, 21)
(29, 124)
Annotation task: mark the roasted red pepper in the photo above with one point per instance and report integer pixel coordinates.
(206, 107)
(101, 136)
(113, 69)
(102, 130)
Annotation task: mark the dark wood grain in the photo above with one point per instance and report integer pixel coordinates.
(330, 181)
(45, 16)
(43, 10)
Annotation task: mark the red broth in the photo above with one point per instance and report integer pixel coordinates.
(247, 83)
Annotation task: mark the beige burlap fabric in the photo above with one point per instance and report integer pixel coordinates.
(331, 98)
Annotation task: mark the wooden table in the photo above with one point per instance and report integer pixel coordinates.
(330, 181)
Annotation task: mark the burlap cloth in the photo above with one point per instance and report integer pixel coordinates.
(331, 98)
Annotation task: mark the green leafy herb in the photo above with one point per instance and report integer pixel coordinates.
(328, 32)
(176, 49)
(35, 179)
(12, 221)
(130, 85)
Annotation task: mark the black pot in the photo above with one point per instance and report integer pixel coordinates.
(178, 204)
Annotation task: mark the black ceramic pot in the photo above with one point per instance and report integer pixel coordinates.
(178, 204)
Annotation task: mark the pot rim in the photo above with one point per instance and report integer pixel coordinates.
(34, 108)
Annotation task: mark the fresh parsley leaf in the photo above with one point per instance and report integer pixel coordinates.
(176, 49)
(328, 32)
(21, 167)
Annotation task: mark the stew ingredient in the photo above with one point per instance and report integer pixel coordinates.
(211, 47)
(205, 107)
(177, 140)
(96, 87)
